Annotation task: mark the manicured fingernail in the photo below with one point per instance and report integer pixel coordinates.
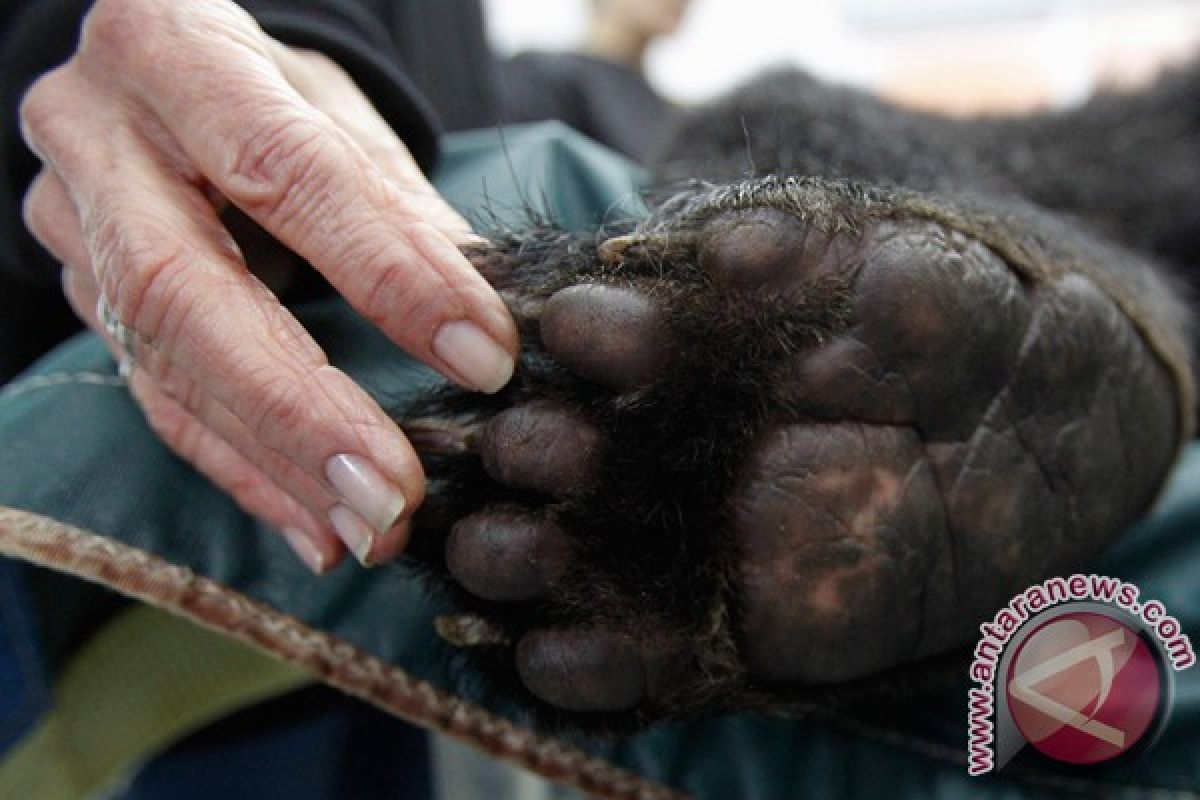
(363, 488)
(306, 549)
(470, 239)
(474, 356)
(356, 533)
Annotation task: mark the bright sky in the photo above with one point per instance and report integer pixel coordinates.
(867, 41)
(721, 40)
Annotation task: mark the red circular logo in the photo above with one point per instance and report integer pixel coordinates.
(1083, 688)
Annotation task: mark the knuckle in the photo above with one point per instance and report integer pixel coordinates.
(287, 335)
(278, 171)
(249, 488)
(381, 293)
(45, 107)
(118, 29)
(170, 407)
(143, 274)
(184, 392)
(409, 303)
(277, 412)
(172, 428)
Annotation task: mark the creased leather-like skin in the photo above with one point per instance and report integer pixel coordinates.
(788, 434)
(75, 444)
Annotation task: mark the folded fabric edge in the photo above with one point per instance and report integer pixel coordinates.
(46, 542)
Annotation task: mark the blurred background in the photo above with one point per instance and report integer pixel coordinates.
(959, 56)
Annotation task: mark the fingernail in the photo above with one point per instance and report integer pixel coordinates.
(363, 488)
(306, 549)
(474, 356)
(470, 239)
(357, 534)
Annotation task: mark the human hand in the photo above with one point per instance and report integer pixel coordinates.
(168, 112)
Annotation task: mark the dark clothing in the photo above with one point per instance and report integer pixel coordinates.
(36, 35)
(609, 102)
(425, 66)
(400, 54)
(418, 62)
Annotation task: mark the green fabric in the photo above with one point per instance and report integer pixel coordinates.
(500, 178)
(73, 446)
(144, 681)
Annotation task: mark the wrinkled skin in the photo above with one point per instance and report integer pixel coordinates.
(776, 447)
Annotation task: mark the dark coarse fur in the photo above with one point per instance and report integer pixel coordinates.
(680, 561)
(650, 546)
(1127, 163)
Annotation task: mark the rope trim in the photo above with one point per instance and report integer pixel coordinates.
(138, 574)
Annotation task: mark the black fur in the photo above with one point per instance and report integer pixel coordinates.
(654, 551)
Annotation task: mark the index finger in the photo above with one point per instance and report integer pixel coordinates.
(303, 179)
